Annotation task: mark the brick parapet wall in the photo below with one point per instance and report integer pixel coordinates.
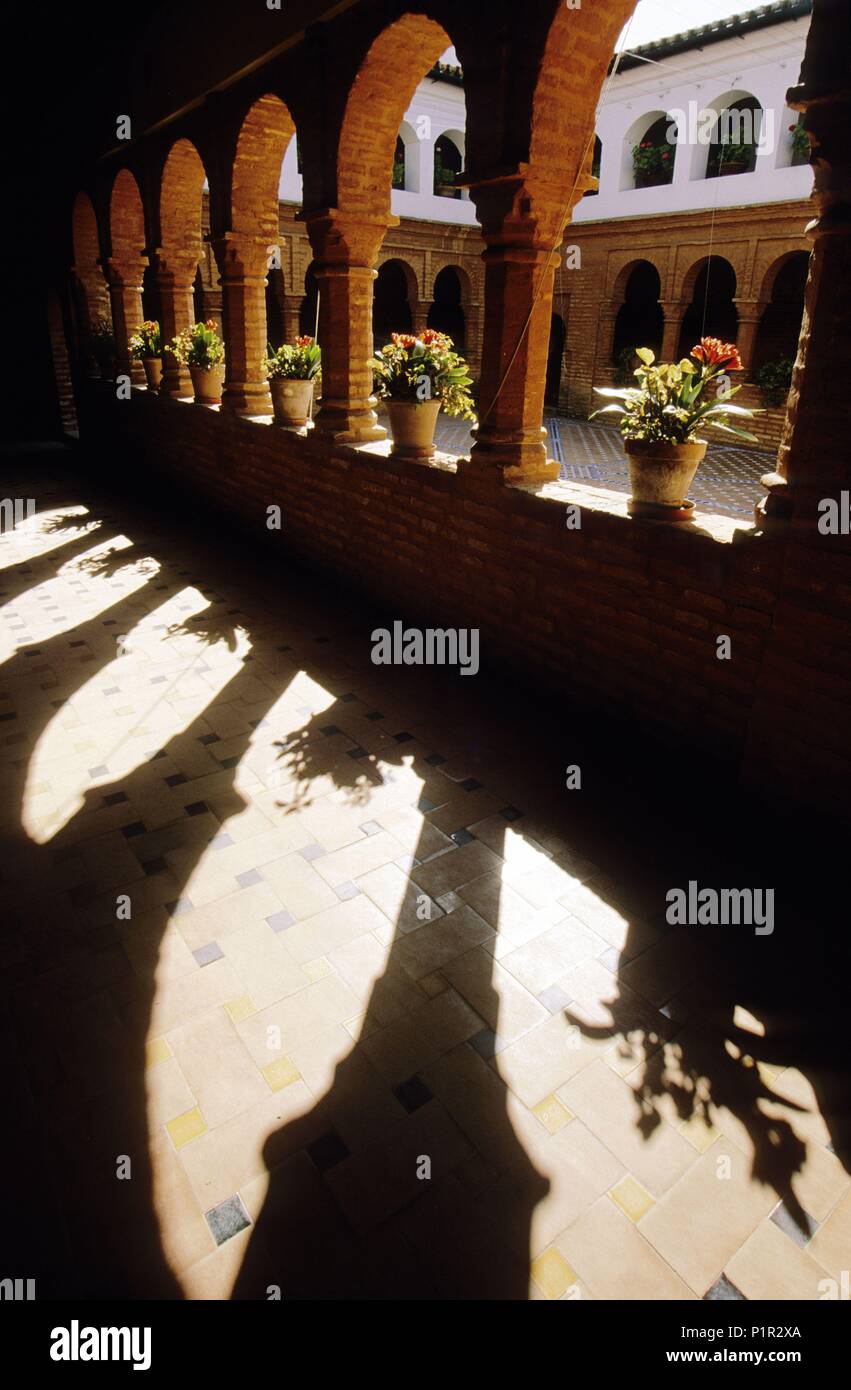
(621, 615)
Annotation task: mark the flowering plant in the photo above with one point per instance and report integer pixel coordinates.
(198, 346)
(801, 148)
(300, 361)
(146, 341)
(648, 158)
(424, 368)
(674, 400)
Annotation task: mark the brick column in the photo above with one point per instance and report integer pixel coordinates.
(292, 316)
(604, 361)
(473, 317)
(419, 314)
(173, 279)
(521, 238)
(242, 262)
(345, 249)
(125, 293)
(673, 312)
(814, 461)
(750, 313)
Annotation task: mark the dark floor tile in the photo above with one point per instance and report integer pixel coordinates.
(412, 1094)
(797, 1225)
(327, 1151)
(723, 1291)
(205, 955)
(461, 836)
(227, 1219)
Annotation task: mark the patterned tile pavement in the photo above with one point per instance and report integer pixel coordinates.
(320, 954)
(727, 481)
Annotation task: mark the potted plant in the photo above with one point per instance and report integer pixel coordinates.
(103, 346)
(661, 422)
(774, 380)
(293, 370)
(801, 147)
(732, 159)
(444, 178)
(201, 350)
(418, 376)
(652, 164)
(146, 347)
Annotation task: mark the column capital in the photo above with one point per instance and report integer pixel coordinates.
(517, 207)
(344, 238)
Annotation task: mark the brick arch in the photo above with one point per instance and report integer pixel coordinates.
(618, 290)
(126, 218)
(771, 273)
(688, 277)
(85, 235)
(263, 140)
(181, 189)
(465, 279)
(572, 68)
(90, 297)
(411, 277)
(396, 61)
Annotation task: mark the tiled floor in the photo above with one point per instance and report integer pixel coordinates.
(727, 482)
(314, 977)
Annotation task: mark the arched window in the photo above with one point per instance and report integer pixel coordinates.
(712, 313)
(649, 150)
(446, 313)
(735, 137)
(640, 320)
(391, 309)
(399, 163)
(780, 325)
(448, 164)
(596, 163)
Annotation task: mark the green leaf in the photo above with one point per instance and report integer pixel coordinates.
(646, 356)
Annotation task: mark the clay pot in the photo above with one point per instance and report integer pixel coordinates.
(153, 372)
(207, 383)
(645, 180)
(291, 401)
(412, 425)
(735, 166)
(446, 190)
(660, 476)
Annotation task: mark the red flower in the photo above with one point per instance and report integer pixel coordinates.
(714, 353)
(303, 342)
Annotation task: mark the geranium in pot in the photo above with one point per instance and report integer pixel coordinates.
(146, 347)
(662, 419)
(200, 348)
(293, 370)
(652, 164)
(419, 376)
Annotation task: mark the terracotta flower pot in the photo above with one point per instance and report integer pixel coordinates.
(412, 425)
(660, 476)
(446, 190)
(153, 372)
(291, 400)
(207, 382)
(735, 166)
(654, 180)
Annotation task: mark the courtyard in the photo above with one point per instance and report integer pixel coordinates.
(326, 957)
(727, 482)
